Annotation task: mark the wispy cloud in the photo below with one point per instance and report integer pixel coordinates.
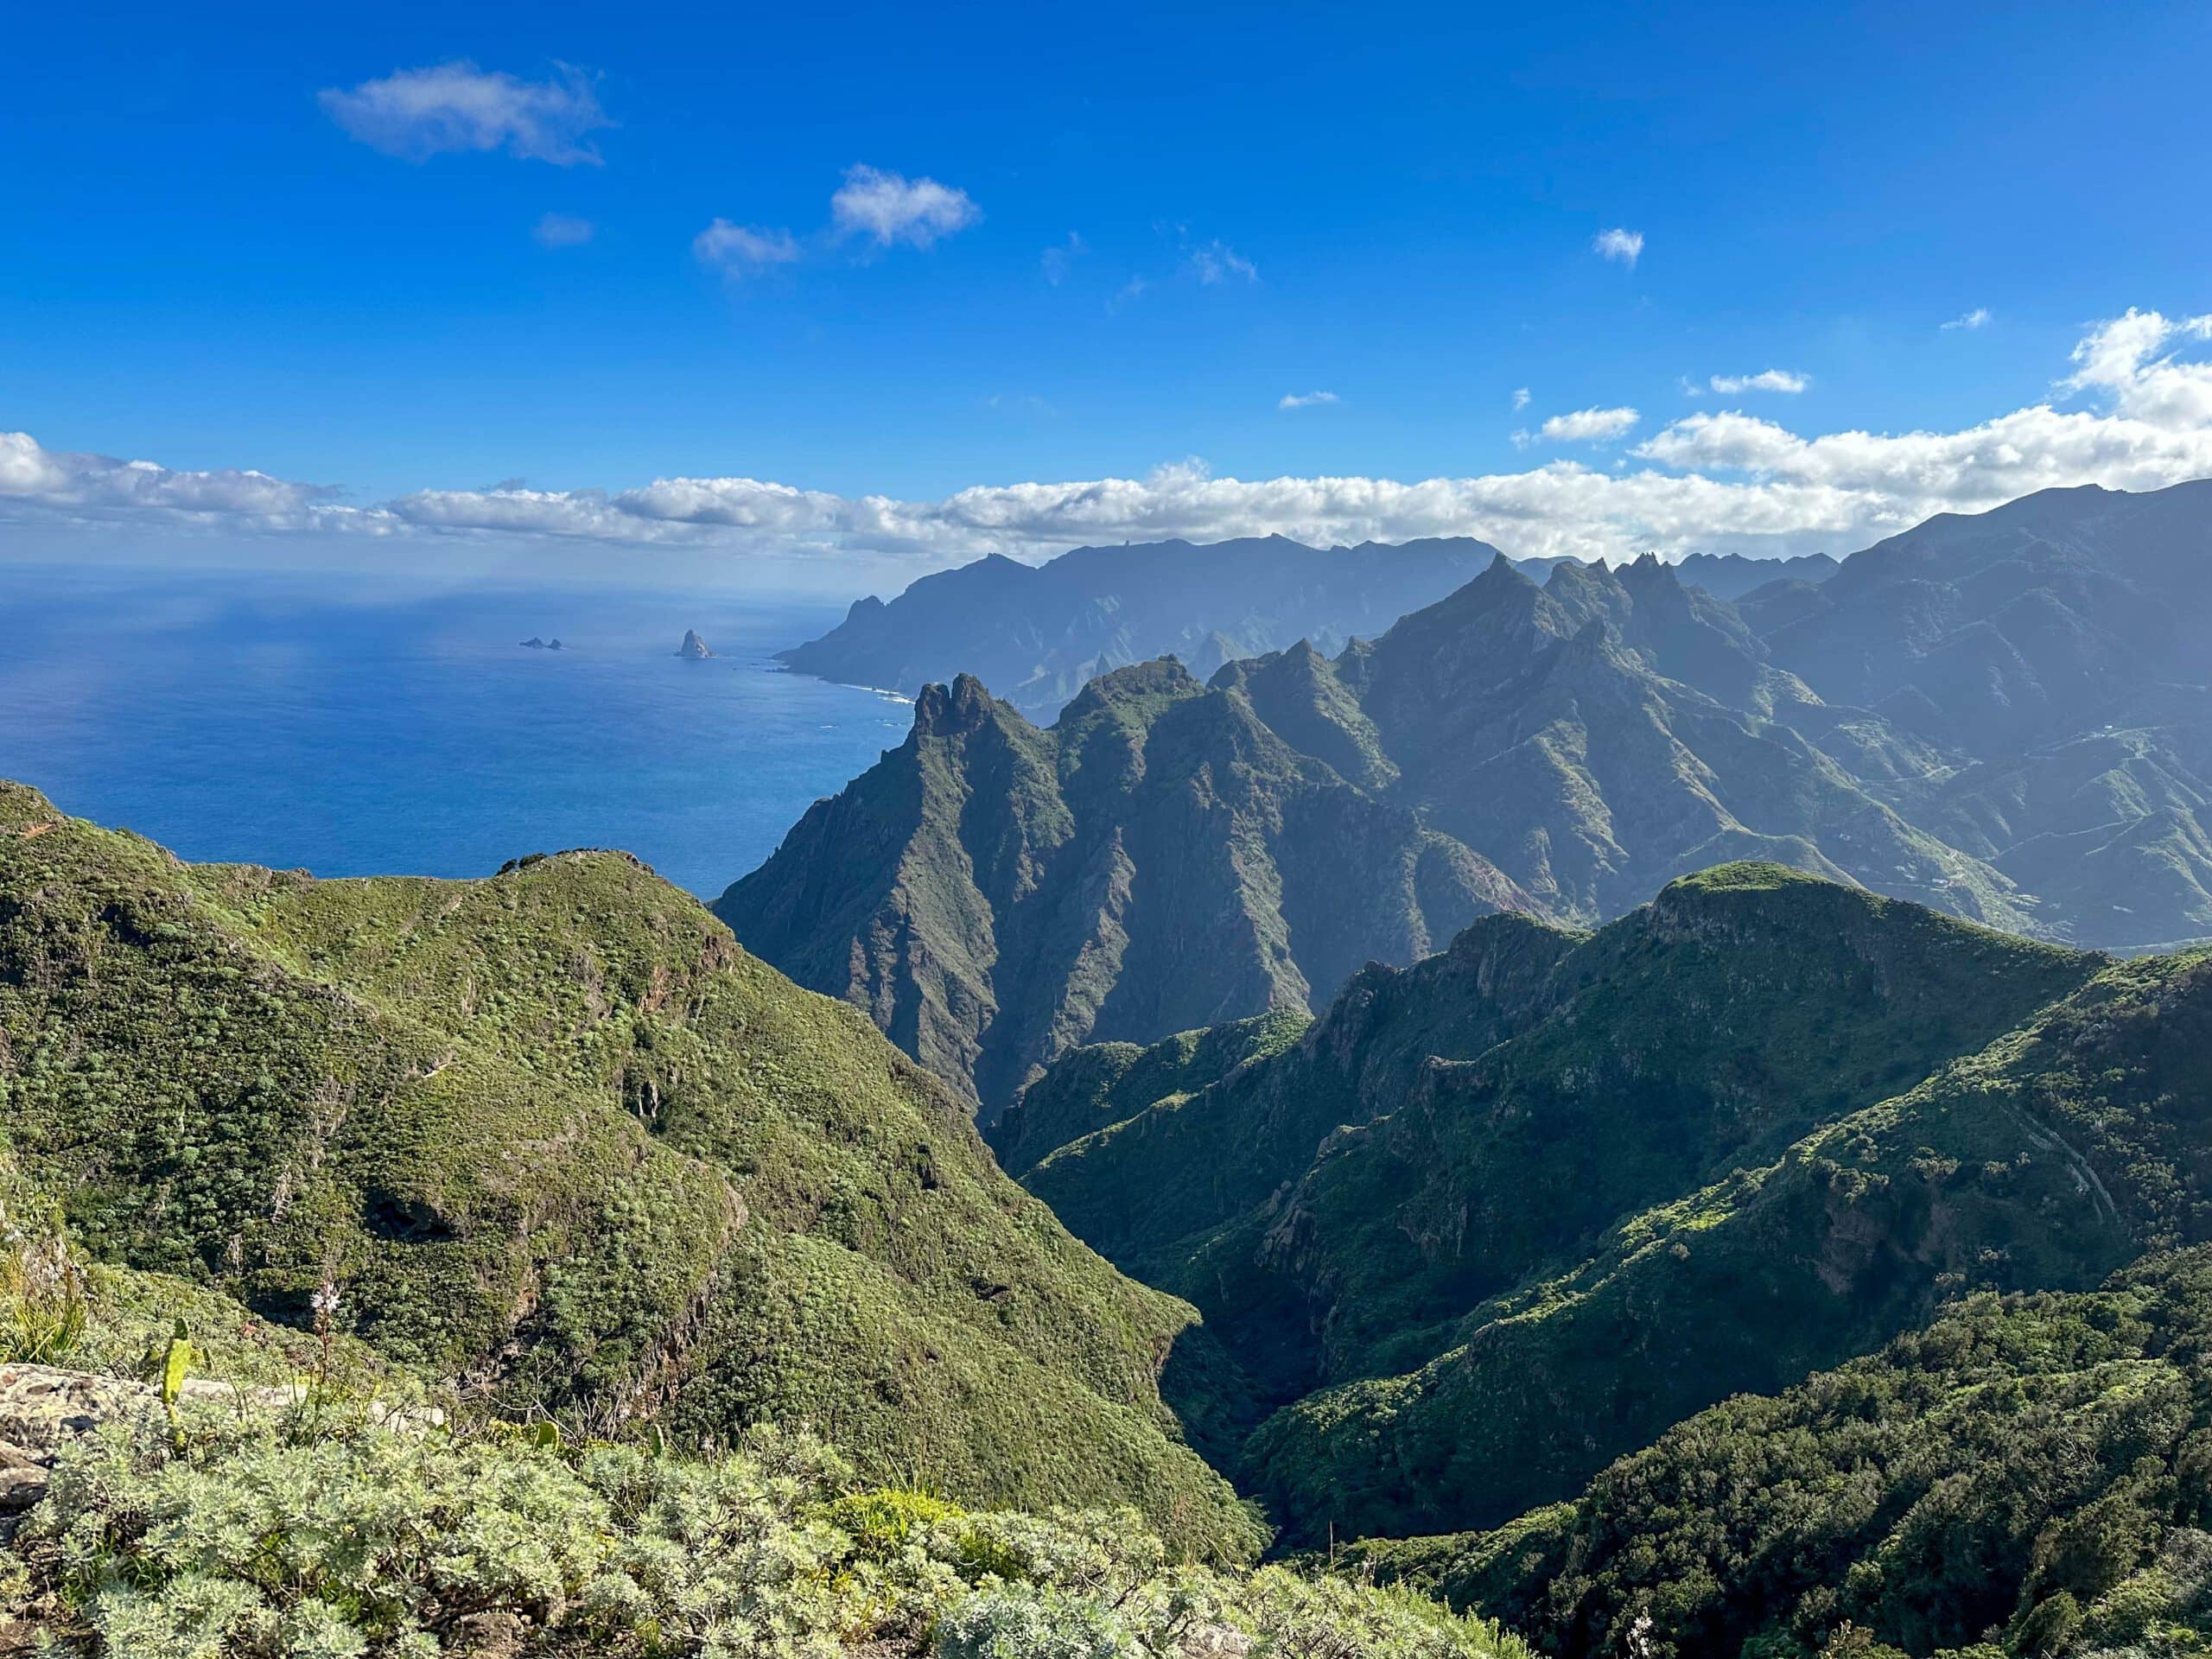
(737, 249)
(1217, 262)
(1521, 397)
(888, 207)
(563, 230)
(1728, 481)
(1129, 294)
(1588, 425)
(1625, 246)
(1978, 317)
(417, 113)
(1764, 380)
(1306, 399)
(1059, 259)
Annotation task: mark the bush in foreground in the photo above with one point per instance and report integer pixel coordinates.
(259, 1536)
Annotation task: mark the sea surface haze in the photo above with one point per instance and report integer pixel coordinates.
(348, 728)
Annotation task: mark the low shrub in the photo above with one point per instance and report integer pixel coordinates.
(275, 1536)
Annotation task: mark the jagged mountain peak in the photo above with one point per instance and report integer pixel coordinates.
(963, 706)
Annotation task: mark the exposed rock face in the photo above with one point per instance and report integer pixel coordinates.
(693, 646)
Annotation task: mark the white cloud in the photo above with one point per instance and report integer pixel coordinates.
(1625, 246)
(1306, 399)
(737, 249)
(417, 113)
(888, 207)
(1129, 294)
(2120, 359)
(1973, 318)
(563, 230)
(1725, 481)
(1764, 380)
(1588, 425)
(1521, 397)
(95, 488)
(1060, 257)
(1217, 262)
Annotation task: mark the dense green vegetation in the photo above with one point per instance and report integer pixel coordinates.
(2046, 1159)
(554, 1138)
(1781, 1269)
(1103, 1083)
(2031, 1472)
(1503, 1215)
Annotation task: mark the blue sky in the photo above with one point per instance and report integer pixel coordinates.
(231, 245)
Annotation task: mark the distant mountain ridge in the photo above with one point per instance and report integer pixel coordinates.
(1955, 717)
(1035, 633)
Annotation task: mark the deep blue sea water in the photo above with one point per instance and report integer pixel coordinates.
(342, 727)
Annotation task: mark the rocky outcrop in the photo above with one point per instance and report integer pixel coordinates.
(693, 647)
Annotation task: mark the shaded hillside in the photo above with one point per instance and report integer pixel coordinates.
(1035, 633)
(1732, 575)
(1092, 1087)
(555, 1137)
(2028, 1471)
(1502, 1216)
(1158, 859)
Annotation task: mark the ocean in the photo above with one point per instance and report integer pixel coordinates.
(351, 729)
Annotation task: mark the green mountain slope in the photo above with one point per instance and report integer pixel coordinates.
(555, 1137)
(2046, 1159)
(1156, 861)
(1097, 1086)
(2030, 1471)
(1426, 1235)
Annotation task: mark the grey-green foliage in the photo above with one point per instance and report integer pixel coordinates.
(252, 1535)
